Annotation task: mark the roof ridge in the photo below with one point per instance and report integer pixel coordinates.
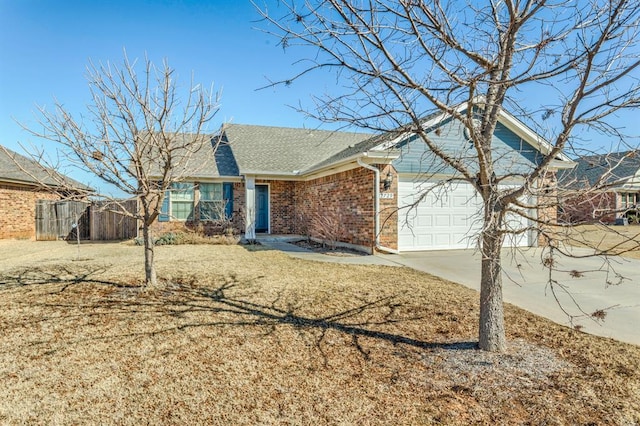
(309, 129)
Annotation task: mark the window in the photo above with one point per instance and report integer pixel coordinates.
(629, 199)
(215, 201)
(181, 197)
(212, 206)
(178, 202)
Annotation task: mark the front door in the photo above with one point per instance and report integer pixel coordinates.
(262, 208)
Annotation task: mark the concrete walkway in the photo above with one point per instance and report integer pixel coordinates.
(584, 285)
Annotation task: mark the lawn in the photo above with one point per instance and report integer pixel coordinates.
(622, 240)
(249, 337)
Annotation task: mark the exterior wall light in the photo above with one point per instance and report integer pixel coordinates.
(387, 181)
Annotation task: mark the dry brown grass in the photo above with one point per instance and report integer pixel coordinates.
(615, 240)
(256, 337)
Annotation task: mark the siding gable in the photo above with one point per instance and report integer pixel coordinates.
(512, 155)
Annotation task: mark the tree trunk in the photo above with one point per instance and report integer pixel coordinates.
(150, 278)
(491, 330)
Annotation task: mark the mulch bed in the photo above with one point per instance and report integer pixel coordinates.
(328, 250)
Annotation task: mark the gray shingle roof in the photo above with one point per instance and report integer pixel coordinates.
(35, 173)
(285, 150)
(204, 162)
(590, 170)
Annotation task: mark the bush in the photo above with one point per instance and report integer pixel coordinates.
(178, 238)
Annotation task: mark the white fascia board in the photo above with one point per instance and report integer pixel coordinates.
(630, 183)
(203, 179)
(218, 179)
(558, 164)
(267, 175)
(379, 157)
(351, 162)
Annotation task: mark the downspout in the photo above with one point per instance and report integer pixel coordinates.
(376, 203)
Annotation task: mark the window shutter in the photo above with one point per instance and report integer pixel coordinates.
(227, 194)
(164, 210)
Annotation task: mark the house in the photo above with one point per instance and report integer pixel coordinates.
(359, 189)
(20, 189)
(603, 188)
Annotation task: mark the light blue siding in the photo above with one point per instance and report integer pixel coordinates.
(511, 154)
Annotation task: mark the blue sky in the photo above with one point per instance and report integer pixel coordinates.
(45, 47)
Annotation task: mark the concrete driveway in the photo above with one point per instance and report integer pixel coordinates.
(525, 284)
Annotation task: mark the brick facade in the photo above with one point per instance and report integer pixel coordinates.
(343, 201)
(341, 204)
(282, 206)
(589, 208)
(18, 210)
(547, 206)
(389, 210)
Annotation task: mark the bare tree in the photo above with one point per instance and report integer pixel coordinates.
(396, 62)
(139, 136)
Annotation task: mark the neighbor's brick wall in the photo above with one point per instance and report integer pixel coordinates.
(347, 196)
(589, 208)
(389, 210)
(18, 210)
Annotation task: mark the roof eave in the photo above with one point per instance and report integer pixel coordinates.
(371, 156)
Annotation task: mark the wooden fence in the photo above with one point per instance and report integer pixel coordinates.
(95, 221)
(61, 220)
(107, 222)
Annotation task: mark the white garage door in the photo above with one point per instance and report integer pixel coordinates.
(448, 217)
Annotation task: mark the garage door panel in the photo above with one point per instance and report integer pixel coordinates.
(444, 220)
(462, 201)
(424, 221)
(442, 240)
(459, 220)
(425, 239)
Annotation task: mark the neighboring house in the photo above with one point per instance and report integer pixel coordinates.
(602, 188)
(19, 191)
(351, 187)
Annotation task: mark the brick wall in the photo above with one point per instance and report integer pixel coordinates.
(589, 208)
(547, 206)
(282, 198)
(344, 199)
(389, 210)
(18, 210)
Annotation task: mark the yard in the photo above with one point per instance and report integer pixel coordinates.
(623, 240)
(250, 337)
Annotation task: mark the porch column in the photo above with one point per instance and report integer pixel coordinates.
(250, 213)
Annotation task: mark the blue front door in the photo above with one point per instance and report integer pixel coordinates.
(262, 208)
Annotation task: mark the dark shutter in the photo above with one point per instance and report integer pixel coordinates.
(227, 194)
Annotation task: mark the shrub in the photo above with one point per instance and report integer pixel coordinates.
(178, 238)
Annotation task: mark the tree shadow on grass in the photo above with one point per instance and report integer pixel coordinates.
(273, 315)
(57, 274)
(227, 303)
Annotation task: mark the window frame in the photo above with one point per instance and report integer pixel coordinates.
(197, 200)
(208, 200)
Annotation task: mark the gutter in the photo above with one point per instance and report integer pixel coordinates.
(376, 198)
